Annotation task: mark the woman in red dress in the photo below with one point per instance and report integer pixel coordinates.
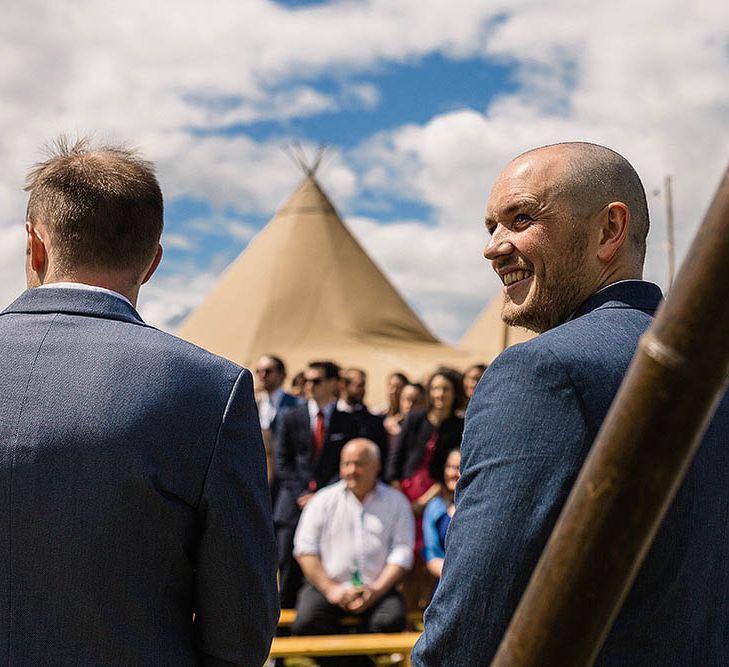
(418, 458)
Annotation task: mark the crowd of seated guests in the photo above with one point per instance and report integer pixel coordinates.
(331, 502)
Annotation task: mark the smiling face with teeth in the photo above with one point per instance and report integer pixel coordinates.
(544, 251)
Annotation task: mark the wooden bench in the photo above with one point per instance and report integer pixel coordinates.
(356, 644)
(288, 616)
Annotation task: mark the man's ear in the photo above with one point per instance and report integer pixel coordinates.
(614, 226)
(153, 266)
(37, 251)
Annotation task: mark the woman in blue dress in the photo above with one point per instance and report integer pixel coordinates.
(437, 515)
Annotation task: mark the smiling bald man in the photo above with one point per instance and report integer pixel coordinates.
(568, 226)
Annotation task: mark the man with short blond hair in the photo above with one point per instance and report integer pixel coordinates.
(136, 518)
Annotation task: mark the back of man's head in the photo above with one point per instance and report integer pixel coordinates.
(102, 207)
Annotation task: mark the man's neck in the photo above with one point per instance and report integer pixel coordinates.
(363, 495)
(129, 292)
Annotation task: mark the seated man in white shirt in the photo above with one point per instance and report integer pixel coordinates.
(354, 542)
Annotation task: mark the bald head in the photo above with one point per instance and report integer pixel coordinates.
(592, 176)
(364, 446)
(359, 466)
(565, 221)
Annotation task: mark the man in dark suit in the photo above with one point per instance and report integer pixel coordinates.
(368, 425)
(134, 492)
(310, 441)
(568, 225)
(272, 402)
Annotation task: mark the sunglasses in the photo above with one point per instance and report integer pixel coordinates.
(313, 380)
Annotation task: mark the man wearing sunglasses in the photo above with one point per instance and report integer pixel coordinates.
(310, 441)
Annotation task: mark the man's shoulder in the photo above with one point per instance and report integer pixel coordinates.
(290, 401)
(296, 411)
(608, 334)
(611, 320)
(581, 362)
(173, 350)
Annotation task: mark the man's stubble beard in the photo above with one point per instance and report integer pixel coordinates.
(554, 302)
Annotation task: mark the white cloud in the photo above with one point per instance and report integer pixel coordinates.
(177, 241)
(12, 255)
(140, 72)
(166, 299)
(222, 226)
(239, 172)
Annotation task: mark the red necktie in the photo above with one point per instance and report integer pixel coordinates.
(318, 442)
(318, 434)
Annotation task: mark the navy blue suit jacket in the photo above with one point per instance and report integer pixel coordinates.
(529, 427)
(133, 493)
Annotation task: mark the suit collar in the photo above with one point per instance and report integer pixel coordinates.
(637, 294)
(76, 302)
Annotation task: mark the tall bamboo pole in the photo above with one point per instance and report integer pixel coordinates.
(635, 467)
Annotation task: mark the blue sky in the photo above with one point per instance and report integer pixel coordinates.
(408, 93)
(421, 104)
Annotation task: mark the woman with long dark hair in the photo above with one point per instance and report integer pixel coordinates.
(418, 458)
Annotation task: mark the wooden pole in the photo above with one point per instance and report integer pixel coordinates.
(635, 467)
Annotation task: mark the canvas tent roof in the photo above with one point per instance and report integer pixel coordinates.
(304, 289)
(489, 336)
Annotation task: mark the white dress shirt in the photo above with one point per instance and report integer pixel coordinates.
(89, 288)
(348, 535)
(268, 407)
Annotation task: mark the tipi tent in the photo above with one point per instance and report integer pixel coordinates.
(489, 336)
(304, 289)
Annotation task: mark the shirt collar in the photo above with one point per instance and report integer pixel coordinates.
(275, 397)
(84, 286)
(370, 496)
(327, 409)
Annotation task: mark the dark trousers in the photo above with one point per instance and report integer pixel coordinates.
(290, 577)
(316, 616)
